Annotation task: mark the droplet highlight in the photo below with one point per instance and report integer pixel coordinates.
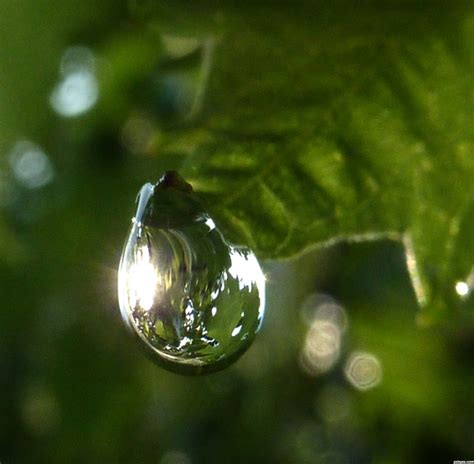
(194, 301)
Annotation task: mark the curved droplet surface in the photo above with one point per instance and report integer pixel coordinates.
(195, 301)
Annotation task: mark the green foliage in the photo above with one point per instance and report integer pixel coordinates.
(301, 124)
(324, 123)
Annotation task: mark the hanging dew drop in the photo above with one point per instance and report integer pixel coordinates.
(194, 301)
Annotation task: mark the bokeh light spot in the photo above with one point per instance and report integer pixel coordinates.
(138, 134)
(78, 91)
(327, 322)
(462, 289)
(30, 164)
(363, 370)
(333, 404)
(40, 410)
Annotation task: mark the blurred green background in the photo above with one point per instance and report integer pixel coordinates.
(90, 93)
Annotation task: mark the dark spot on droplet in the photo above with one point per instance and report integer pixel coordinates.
(171, 179)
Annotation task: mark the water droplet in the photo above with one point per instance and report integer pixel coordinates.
(194, 300)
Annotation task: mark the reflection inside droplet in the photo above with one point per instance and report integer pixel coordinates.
(236, 331)
(142, 280)
(363, 370)
(30, 165)
(194, 300)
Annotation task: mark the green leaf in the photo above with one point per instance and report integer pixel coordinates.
(325, 122)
